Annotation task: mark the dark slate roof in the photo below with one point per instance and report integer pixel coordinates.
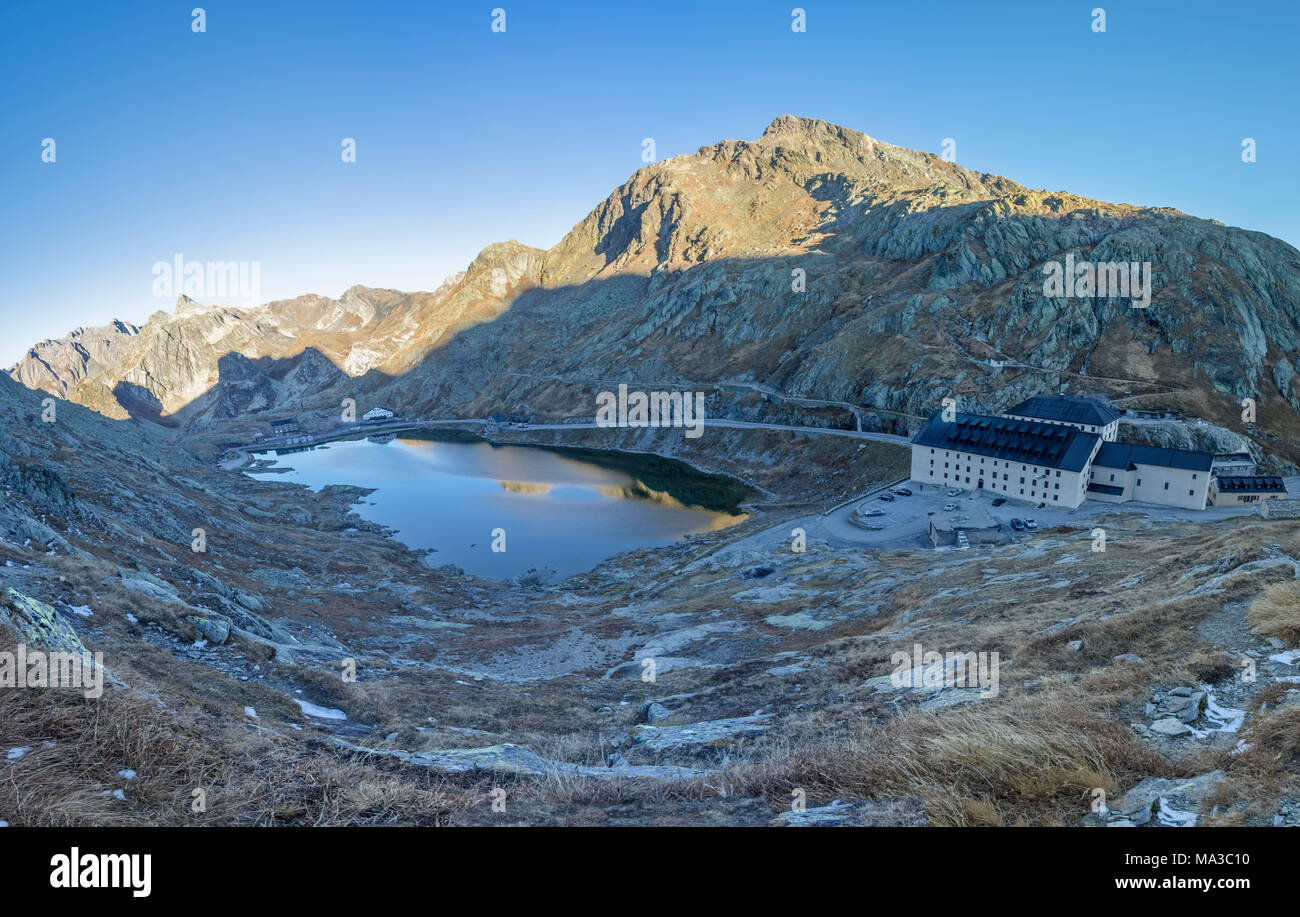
(1107, 489)
(1065, 409)
(1026, 441)
(1126, 455)
(1257, 484)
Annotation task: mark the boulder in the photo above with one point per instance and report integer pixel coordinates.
(654, 712)
(38, 623)
(215, 630)
(1139, 803)
(1169, 726)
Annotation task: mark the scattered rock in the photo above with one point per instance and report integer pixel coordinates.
(891, 812)
(660, 738)
(1169, 726)
(515, 759)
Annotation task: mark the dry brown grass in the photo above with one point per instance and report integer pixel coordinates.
(248, 774)
(1031, 760)
(1276, 737)
(1276, 612)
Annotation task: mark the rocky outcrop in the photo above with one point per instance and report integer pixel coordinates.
(520, 761)
(37, 623)
(1171, 803)
(892, 812)
(57, 365)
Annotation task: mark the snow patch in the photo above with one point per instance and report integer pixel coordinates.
(321, 713)
(1175, 818)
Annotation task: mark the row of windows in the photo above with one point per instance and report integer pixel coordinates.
(995, 464)
(957, 479)
(1093, 474)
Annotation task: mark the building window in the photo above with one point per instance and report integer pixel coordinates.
(1191, 493)
(1058, 474)
(1139, 482)
(1022, 480)
(1112, 477)
(1166, 485)
(1055, 497)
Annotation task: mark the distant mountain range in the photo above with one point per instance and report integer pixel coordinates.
(815, 262)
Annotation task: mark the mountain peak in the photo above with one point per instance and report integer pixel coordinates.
(187, 306)
(783, 125)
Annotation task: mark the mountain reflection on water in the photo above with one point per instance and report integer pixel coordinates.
(558, 512)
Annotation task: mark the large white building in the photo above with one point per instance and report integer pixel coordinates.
(1059, 450)
(1020, 459)
(1170, 477)
(1086, 414)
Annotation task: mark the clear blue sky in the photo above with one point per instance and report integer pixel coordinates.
(224, 146)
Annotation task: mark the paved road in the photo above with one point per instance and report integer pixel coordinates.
(398, 426)
(891, 438)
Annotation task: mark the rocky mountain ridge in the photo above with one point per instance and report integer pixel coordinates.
(815, 262)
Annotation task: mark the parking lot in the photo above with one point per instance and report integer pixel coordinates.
(905, 522)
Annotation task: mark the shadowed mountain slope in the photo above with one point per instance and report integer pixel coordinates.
(814, 261)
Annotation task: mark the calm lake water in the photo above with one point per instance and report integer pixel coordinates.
(559, 513)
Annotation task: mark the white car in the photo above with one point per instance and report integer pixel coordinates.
(1030, 523)
(874, 512)
(948, 507)
(954, 493)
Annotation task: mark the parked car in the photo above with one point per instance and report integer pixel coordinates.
(1030, 523)
(888, 498)
(956, 492)
(999, 501)
(874, 512)
(902, 491)
(1017, 525)
(948, 507)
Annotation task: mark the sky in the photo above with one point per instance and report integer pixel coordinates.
(226, 144)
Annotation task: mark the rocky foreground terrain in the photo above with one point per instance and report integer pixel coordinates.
(1154, 683)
